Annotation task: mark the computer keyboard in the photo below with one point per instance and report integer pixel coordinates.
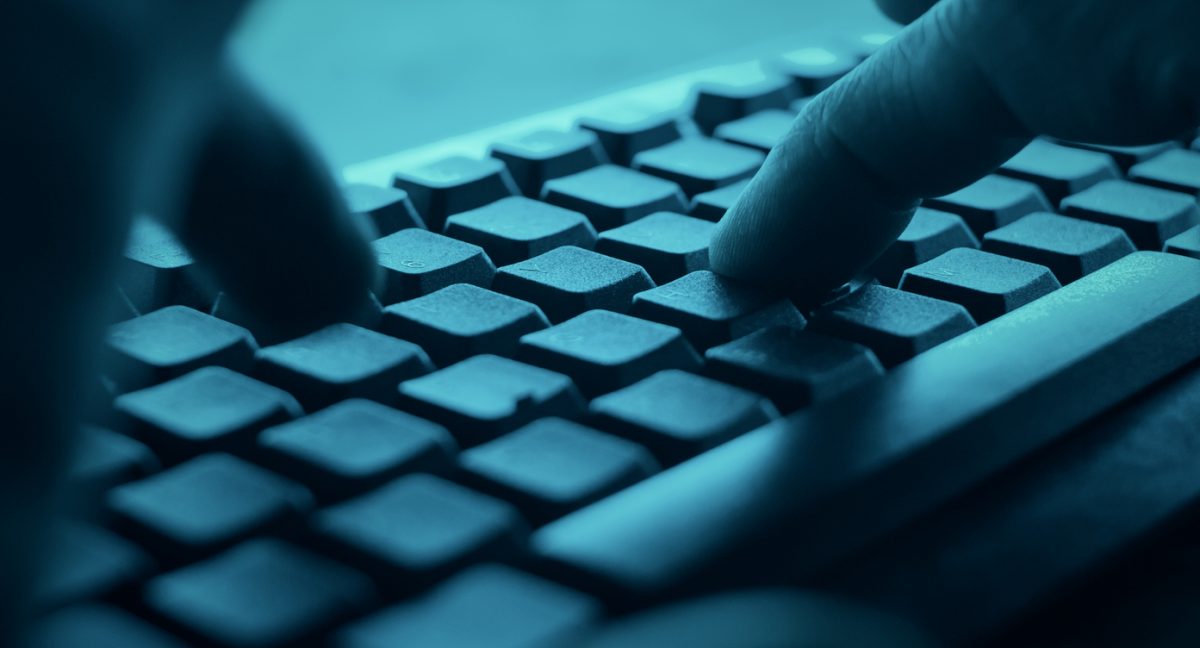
(559, 412)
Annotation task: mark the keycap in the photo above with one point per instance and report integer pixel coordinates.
(624, 136)
(1127, 156)
(85, 562)
(514, 229)
(1177, 170)
(1070, 247)
(816, 68)
(895, 324)
(485, 396)
(930, 234)
(453, 185)
(462, 320)
(665, 532)
(1187, 243)
(567, 281)
(603, 351)
(1148, 215)
(338, 362)
(866, 44)
(157, 271)
(506, 608)
(544, 155)
(993, 201)
(712, 205)
(96, 626)
(381, 210)
(416, 262)
(204, 505)
(677, 414)
(356, 445)
(611, 195)
(553, 466)
(792, 367)
(762, 130)
(101, 459)
(209, 409)
(263, 592)
(987, 285)
(1059, 170)
(711, 309)
(417, 529)
(698, 164)
(172, 341)
(666, 245)
(718, 103)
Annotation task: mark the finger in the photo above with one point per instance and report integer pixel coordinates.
(265, 218)
(919, 118)
(904, 11)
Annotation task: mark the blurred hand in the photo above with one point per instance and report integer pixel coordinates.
(114, 107)
(961, 90)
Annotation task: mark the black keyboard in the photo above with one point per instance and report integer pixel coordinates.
(561, 413)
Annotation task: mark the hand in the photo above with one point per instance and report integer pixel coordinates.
(118, 107)
(962, 89)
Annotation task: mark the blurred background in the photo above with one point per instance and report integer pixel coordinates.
(366, 78)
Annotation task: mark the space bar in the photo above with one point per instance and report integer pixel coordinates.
(787, 500)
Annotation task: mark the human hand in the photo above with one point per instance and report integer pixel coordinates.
(961, 90)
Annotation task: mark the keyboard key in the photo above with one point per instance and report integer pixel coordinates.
(1070, 247)
(603, 351)
(204, 505)
(1177, 170)
(1127, 156)
(988, 285)
(567, 281)
(101, 459)
(1148, 215)
(454, 185)
(994, 201)
(930, 234)
(514, 229)
(416, 262)
(209, 409)
(354, 446)
(172, 341)
(865, 45)
(711, 309)
(544, 155)
(157, 271)
(895, 324)
(666, 245)
(816, 68)
(665, 533)
(261, 593)
(611, 195)
(84, 562)
(96, 626)
(718, 103)
(553, 466)
(1059, 170)
(418, 529)
(793, 368)
(506, 608)
(712, 205)
(462, 320)
(339, 362)
(381, 210)
(698, 165)
(485, 396)
(1187, 243)
(761, 131)
(677, 414)
(625, 136)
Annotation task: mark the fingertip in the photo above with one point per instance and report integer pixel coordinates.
(904, 11)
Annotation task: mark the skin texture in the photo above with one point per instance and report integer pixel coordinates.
(965, 86)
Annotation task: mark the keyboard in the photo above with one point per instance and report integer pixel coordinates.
(559, 413)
